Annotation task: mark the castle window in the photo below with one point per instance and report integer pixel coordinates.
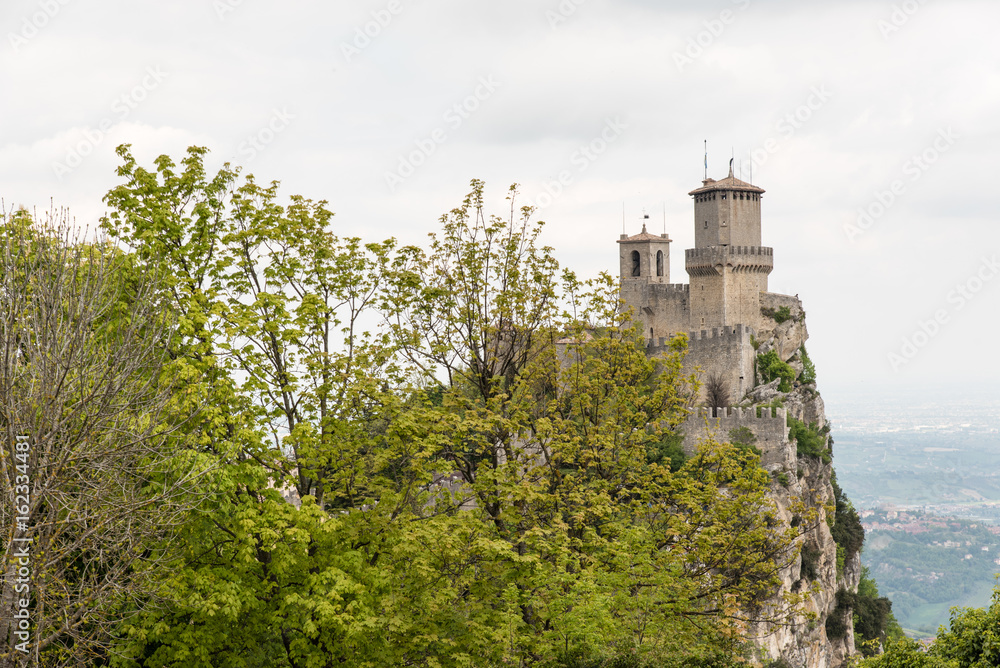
(659, 263)
(636, 267)
(706, 224)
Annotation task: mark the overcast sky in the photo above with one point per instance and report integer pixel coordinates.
(387, 108)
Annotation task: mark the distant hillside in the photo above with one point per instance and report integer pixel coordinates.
(927, 564)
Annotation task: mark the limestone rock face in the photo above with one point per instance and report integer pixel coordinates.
(789, 336)
(785, 338)
(804, 496)
(804, 642)
(804, 403)
(763, 394)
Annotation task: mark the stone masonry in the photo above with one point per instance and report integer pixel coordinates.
(720, 308)
(729, 318)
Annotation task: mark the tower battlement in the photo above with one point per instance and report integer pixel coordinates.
(712, 251)
(742, 416)
(706, 338)
(709, 261)
(722, 334)
(769, 427)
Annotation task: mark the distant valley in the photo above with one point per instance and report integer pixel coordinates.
(925, 478)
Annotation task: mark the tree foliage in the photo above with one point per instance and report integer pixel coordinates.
(809, 440)
(770, 366)
(451, 456)
(874, 624)
(847, 530)
(808, 367)
(92, 448)
(971, 640)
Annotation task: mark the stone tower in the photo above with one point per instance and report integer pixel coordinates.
(730, 319)
(645, 257)
(728, 267)
(645, 282)
(721, 307)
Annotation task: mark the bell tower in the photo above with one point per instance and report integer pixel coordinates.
(645, 272)
(644, 257)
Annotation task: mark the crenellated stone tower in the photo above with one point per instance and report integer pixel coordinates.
(728, 267)
(720, 307)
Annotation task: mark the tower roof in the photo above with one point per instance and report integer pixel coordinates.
(728, 183)
(643, 236)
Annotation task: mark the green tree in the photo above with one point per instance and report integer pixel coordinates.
(299, 397)
(550, 410)
(770, 366)
(971, 640)
(476, 482)
(874, 623)
(91, 452)
(809, 441)
(808, 367)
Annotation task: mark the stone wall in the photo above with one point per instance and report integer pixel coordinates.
(720, 218)
(770, 429)
(726, 283)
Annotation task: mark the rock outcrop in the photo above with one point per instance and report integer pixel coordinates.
(806, 642)
(822, 636)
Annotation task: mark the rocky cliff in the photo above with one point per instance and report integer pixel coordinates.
(824, 637)
(800, 463)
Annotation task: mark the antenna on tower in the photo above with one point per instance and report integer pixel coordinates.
(706, 159)
(623, 217)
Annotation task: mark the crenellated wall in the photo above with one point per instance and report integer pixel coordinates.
(727, 352)
(769, 426)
